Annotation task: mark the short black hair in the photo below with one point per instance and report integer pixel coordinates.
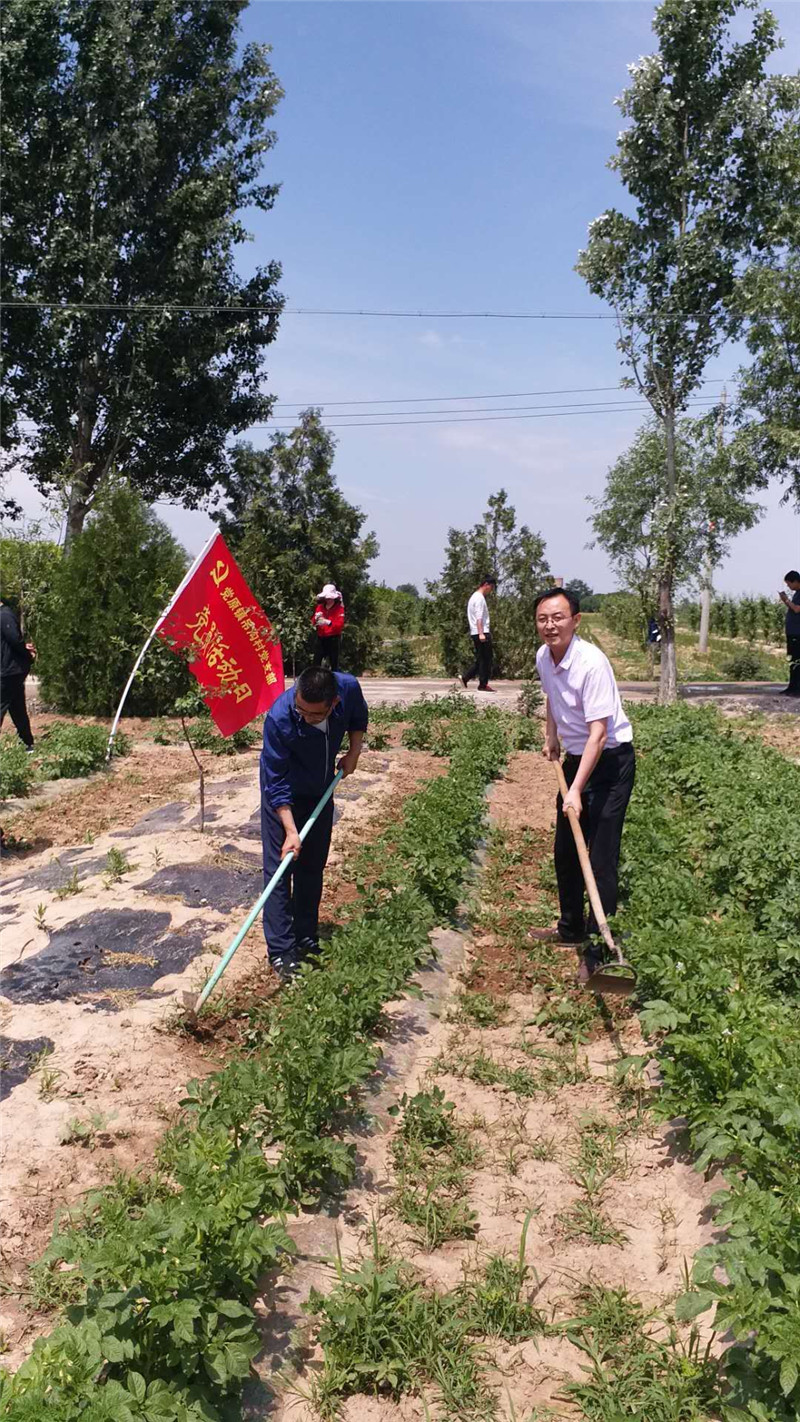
(574, 602)
(488, 578)
(317, 684)
(792, 577)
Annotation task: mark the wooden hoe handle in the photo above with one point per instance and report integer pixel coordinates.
(586, 868)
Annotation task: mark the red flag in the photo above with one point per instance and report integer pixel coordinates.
(231, 644)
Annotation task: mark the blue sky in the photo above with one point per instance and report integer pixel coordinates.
(449, 156)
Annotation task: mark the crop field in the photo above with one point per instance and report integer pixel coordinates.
(433, 1178)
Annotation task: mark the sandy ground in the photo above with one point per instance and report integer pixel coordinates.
(657, 1201)
(90, 981)
(96, 975)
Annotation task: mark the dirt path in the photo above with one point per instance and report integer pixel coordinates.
(548, 1134)
(96, 953)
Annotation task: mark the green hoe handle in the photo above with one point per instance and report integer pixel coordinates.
(258, 906)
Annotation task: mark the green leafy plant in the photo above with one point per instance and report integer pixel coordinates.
(500, 1298)
(746, 666)
(707, 866)
(633, 1373)
(162, 1267)
(66, 750)
(69, 887)
(480, 1009)
(16, 769)
(84, 1132)
(117, 865)
(399, 660)
(531, 698)
(383, 1332)
(430, 1154)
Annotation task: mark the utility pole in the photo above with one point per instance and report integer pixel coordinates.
(708, 569)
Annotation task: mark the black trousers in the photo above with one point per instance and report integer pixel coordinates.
(12, 700)
(793, 653)
(605, 799)
(327, 647)
(291, 913)
(482, 665)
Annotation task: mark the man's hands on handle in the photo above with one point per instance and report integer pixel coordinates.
(292, 843)
(592, 752)
(573, 801)
(349, 762)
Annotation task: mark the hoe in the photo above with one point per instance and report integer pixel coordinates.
(193, 1002)
(617, 977)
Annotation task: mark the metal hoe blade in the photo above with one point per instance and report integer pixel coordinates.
(618, 978)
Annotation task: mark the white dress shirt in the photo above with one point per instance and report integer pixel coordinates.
(579, 689)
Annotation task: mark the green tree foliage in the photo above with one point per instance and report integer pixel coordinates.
(516, 556)
(104, 598)
(292, 531)
(410, 588)
(400, 611)
(697, 158)
(649, 530)
(628, 613)
(27, 566)
(589, 600)
(770, 387)
(133, 136)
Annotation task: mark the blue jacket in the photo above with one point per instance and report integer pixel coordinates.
(297, 760)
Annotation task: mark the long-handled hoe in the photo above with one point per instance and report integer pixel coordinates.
(620, 976)
(193, 1002)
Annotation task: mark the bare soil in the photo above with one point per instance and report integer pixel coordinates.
(91, 981)
(782, 732)
(62, 813)
(528, 1148)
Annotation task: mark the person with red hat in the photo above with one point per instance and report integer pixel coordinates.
(328, 623)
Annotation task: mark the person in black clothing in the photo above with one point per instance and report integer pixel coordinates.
(792, 605)
(16, 658)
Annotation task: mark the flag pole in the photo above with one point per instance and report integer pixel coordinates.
(195, 565)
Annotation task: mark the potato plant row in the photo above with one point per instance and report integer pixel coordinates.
(156, 1275)
(712, 884)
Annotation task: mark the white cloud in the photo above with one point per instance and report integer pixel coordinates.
(368, 495)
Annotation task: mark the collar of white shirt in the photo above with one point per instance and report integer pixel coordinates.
(567, 659)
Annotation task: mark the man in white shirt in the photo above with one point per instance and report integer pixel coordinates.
(584, 714)
(479, 623)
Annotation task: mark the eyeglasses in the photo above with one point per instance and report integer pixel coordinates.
(556, 621)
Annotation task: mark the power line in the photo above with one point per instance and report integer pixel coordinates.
(572, 407)
(363, 419)
(488, 419)
(501, 395)
(279, 310)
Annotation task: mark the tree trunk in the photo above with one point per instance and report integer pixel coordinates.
(708, 567)
(77, 510)
(705, 608)
(84, 473)
(668, 689)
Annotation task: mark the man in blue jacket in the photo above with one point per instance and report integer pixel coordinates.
(303, 734)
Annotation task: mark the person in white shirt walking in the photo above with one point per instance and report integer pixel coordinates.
(585, 716)
(479, 621)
